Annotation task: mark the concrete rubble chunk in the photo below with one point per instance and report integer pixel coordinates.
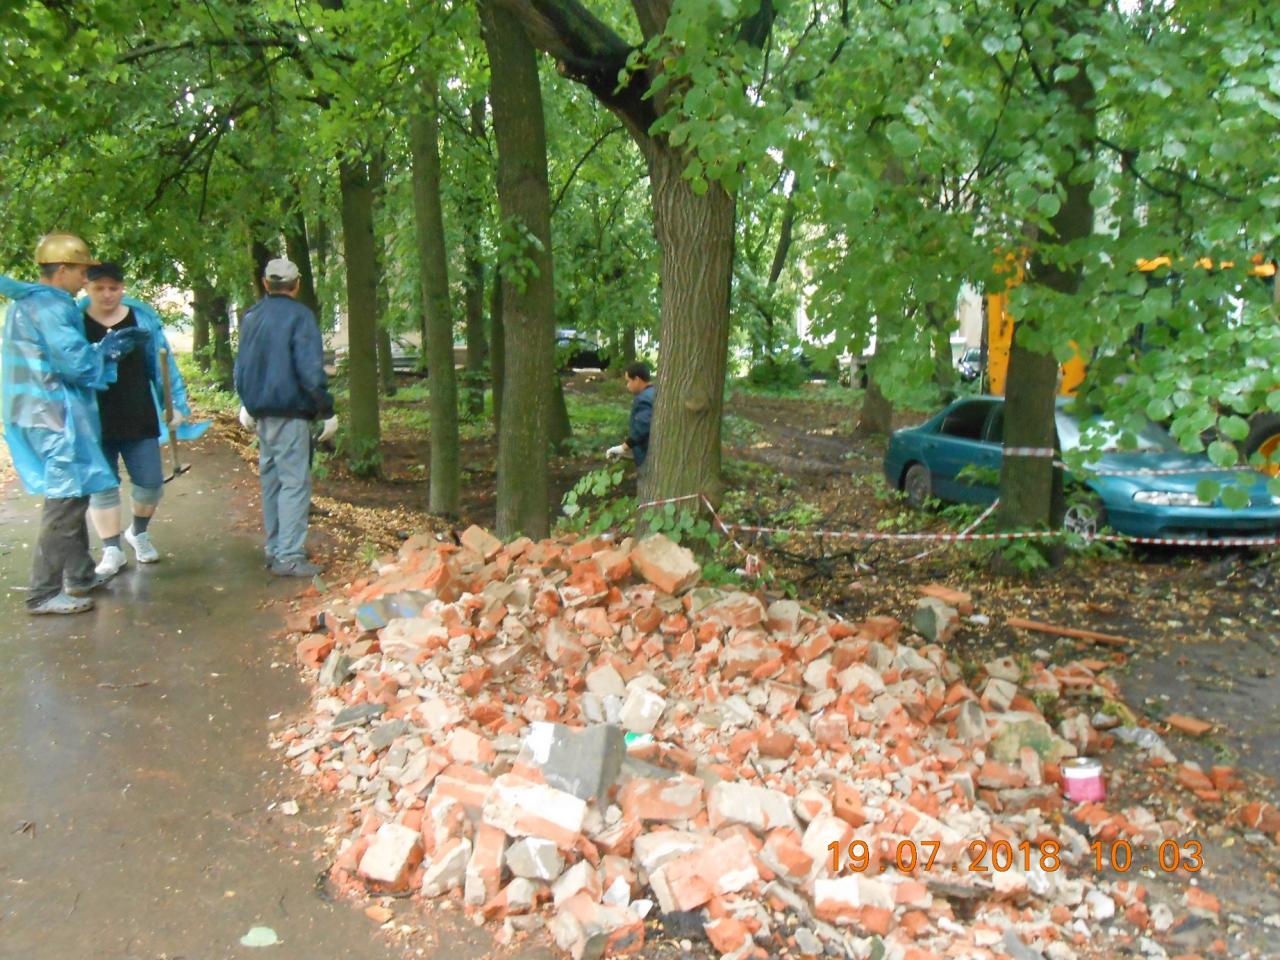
(481, 541)
(359, 714)
(934, 620)
(582, 877)
(757, 808)
(523, 809)
(336, 669)
(393, 851)
(1016, 730)
(667, 565)
(447, 870)
(641, 710)
(584, 762)
(535, 859)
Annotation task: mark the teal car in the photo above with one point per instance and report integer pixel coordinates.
(929, 460)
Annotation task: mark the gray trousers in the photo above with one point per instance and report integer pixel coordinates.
(284, 470)
(62, 550)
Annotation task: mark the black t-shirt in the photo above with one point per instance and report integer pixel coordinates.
(127, 408)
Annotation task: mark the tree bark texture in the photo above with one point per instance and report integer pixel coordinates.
(529, 302)
(298, 249)
(201, 297)
(1031, 492)
(386, 360)
(695, 235)
(875, 418)
(497, 351)
(220, 334)
(477, 348)
(362, 306)
(424, 138)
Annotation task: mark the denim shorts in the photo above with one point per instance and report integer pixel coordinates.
(141, 458)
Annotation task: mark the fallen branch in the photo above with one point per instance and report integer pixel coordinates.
(1095, 636)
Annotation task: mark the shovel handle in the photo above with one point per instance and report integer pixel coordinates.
(168, 387)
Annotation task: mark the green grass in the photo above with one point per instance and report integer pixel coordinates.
(818, 392)
(202, 391)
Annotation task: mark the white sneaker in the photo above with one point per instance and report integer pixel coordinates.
(112, 562)
(142, 546)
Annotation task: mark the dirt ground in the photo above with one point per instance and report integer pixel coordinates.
(1201, 628)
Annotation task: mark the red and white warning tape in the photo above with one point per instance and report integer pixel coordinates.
(965, 535)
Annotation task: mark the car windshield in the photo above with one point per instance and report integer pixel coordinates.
(1106, 436)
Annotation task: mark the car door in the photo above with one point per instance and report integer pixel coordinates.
(959, 443)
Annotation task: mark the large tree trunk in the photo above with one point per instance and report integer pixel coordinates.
(220, 333)
(627, 342)
(1031, 487)
(474, 285)
(298, 249)
(695, 235)
(424, 139)
(386, 360)
(362, 323)
(497, 351)
(201, 297)
(944, 370)
(260, 252)
(560, 428)
(528, 303)
(875, 418)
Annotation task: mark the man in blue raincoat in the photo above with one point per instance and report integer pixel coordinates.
(48, 398)
(130, 411)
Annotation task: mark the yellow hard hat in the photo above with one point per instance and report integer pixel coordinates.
(63, 248)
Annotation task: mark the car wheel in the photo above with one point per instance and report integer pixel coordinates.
(1085, 516)
(917, 484)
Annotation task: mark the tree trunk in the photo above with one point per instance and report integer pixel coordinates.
(1031, 492)
(560, 428)
(424, 139)
(386, 364)
(261, 253)
(528, 300)
(220, 331)
(628, 342)
(201, 296)
(944, 370)
(695, 235)
(497, 351)
(298, 250)
(362, 305)
(876, 416)
(476, 345)
(386, 360)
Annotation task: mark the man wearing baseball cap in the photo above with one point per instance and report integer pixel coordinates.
(51, 375)
(280, 378)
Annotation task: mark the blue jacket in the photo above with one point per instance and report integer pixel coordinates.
(150, 321)
(280, 366)
(638, 427)
(51, 375)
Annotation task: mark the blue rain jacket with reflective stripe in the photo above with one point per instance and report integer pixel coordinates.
(150, 321)
(48, 398)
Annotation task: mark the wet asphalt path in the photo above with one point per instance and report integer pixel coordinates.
(135, 775)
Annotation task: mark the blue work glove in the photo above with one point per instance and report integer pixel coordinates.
(117, 343)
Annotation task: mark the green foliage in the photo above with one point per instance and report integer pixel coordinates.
(694, 530)
(787, 375)
(594, 504)
(364, 457)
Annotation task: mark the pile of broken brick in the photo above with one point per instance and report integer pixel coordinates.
(576, 735)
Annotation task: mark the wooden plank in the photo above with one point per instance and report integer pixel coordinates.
(1095, 636)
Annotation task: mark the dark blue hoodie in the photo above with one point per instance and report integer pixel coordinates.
(280, 366)
(638, 428)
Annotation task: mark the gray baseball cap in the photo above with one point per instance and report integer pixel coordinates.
(281, 270)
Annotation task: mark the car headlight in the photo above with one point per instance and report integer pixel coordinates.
(1168, 498)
